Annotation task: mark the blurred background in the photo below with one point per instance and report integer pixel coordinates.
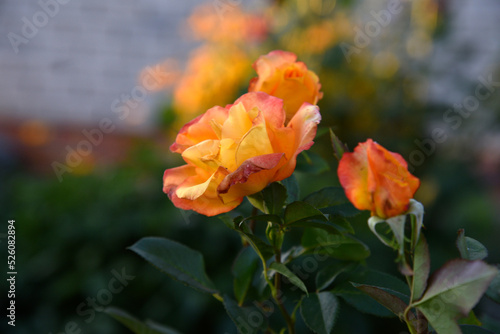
(92, 94)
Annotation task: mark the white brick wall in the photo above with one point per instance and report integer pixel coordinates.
(88, 54)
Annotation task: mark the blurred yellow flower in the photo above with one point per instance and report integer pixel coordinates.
(213, 77)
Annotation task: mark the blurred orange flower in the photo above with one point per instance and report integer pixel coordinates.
(230, 25)
(377, 180)
(280, 75)
(237, 151)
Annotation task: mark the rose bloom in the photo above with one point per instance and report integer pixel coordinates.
(280, 75)
(237, 151)
(377, 180)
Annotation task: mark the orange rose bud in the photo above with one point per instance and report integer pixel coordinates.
(377, 180)
(237, 151)
(280, 75)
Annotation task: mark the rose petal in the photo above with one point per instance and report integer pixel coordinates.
(353, 176)
(393, 186)
(304, 125)
(271, 107)
(199, 129)
(254, 143)
(249, 167)
(176, 180)
(203, 154)
(265, 65)
(376, 179)
(237, 123)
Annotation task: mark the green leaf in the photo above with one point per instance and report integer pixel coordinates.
(319, 311)
(301, 214)
(494, 288)
(176, 260)
(421, 268)
(363, 302)
(274, 197)
(344, 210)
(136, 325)
(326, 197)
(332, 200)
(244, 267)
(360, 300)
(471, 319)
(248, 320)
(342, 247)
(312, 163)
(316, 223)
(326, 276)
(257, 200)
(341, 224)
(292, 188)
(271, 199)
(470, 249)
(453, 291)
(267, 218)
(383, 280)
(283, 270)
(260, 246)
(468, 329)
(227, 220)
(385, 298)
(301, 211)
(338, 147)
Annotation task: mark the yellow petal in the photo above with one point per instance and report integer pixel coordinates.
(237, 124)
(195, 191)
(203, 154)
(254, 143)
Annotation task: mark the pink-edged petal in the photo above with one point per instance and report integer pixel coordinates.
(173, 177)
(199, 129)
(271, 107)
(266, 64)
(182, 180)
(304, 125)
(206, 206)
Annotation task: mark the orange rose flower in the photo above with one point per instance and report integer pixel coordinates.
(237, 151)
(280, 75)
(377, 180)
